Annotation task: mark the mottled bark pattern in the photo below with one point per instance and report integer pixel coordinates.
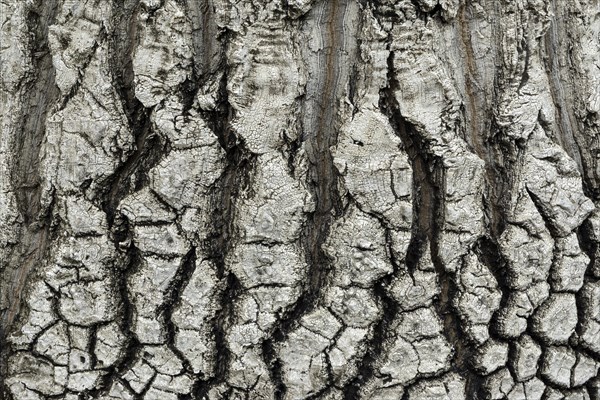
(300, 199)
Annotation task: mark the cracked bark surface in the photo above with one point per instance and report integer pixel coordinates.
(307, 199)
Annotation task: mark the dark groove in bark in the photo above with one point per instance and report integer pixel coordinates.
(477, 114)
(291, 149)
(426, 14)
(424, 179)
(236, 178)
(146, 152)
(568, 130)
(499, 180)
(488, 253)
(221, 324)
(132, 346)
(588, 242)
(41, 93)
(543, 213)
(165, 311)
(221, 320)
(288, 321)
(502, 174)
(318, 136)
(323, 175)
(389, 308)
(428, 181)
(91, 348)
(208, 51)
(149, 148)
(423, 191)
(121, 49)
(589, 245)
(274, 365)
(420, 226)
(449, 291)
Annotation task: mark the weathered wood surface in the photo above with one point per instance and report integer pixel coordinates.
(300, 199)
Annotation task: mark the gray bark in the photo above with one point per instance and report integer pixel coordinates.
(300, 199)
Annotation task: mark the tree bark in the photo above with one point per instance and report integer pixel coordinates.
(300, 199)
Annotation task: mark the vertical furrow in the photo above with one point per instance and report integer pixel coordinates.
(28, 93)
(265, 255)
(74, 290)
(331, 28)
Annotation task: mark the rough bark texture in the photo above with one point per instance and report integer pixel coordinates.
(300, 199)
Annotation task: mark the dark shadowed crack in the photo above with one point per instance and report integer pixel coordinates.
(40, 94)
(290, 150)
(207, 44)
(149, 147)
(425, 15)
(221, 324)
(423, 187)
(428, 199)
(43, 94)
(132, 346)
(389, 311)
(235, 180)
(147, 152)
(589, 245)
(172, 295)
(320, 133)
(489, 254)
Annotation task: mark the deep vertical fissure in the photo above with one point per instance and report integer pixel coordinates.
(473, 122)
(146, 153)
(568, 130)
(165, 311)
(428, 220)
(423, 185)
(132, 346)
(40, 94)
(320, 136)
(320, 131)
(149, 147)
(235, 179)
(389, 311)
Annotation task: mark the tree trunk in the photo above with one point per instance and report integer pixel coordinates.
(300, 199)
